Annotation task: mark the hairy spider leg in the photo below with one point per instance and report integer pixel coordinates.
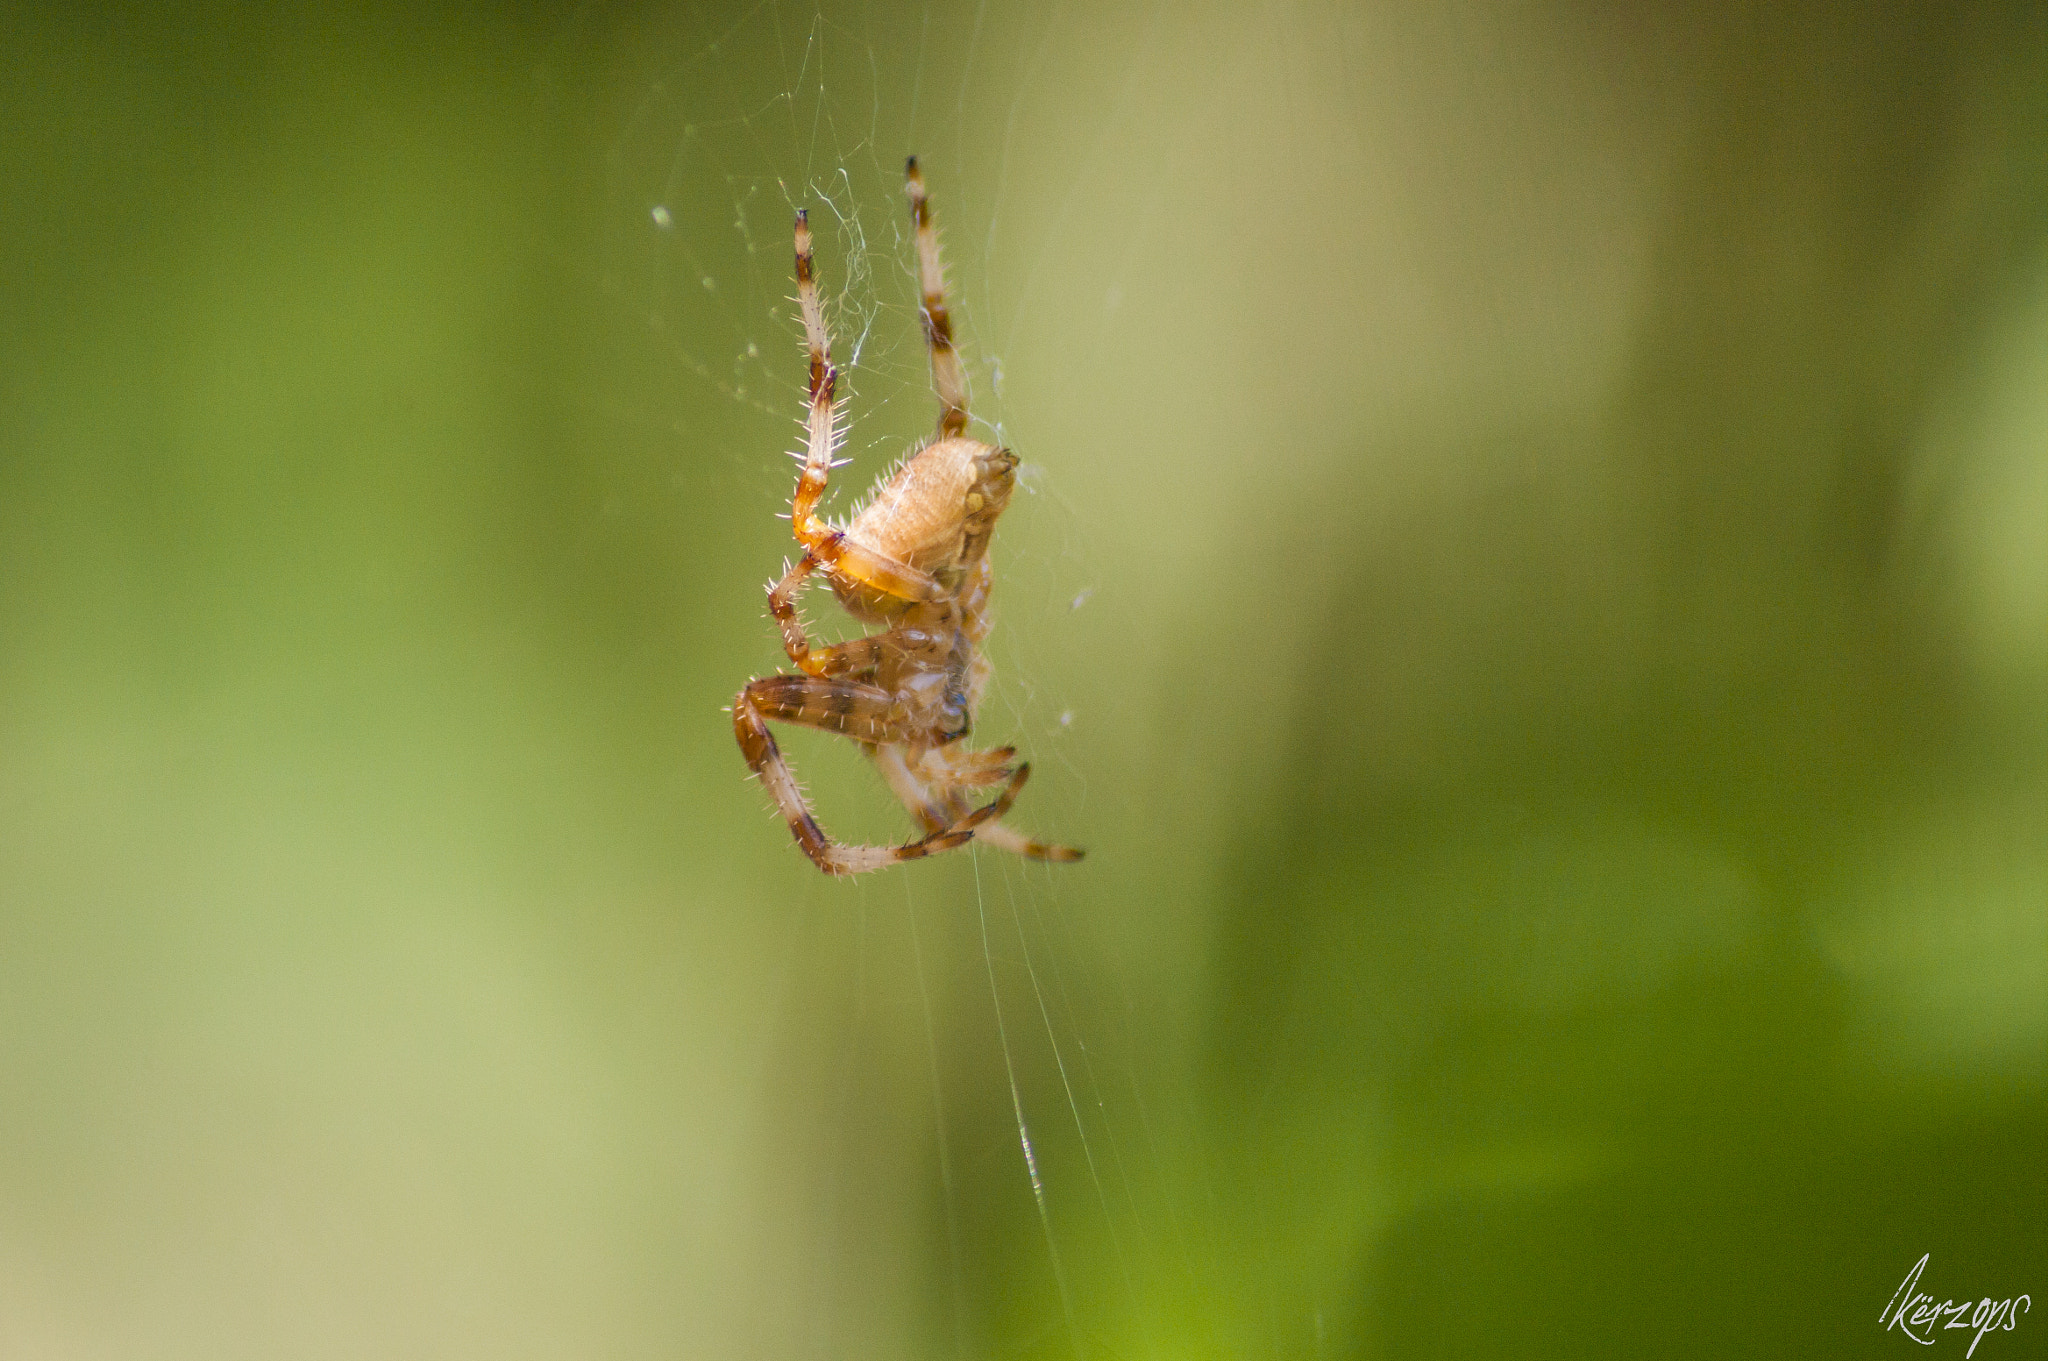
(859, 657)
(832, 706)
(848, 707)
(825, 546)
(930, 805)
(958, 770)
(947, 379)
(1011, 840)
(937, 797)
(768, 763)
(935, 805)
(976, 584)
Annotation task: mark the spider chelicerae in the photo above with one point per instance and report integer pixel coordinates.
(915, 560)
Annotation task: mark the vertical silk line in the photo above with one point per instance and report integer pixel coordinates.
(931, 1041)
(1073, 1101)
(995, 993)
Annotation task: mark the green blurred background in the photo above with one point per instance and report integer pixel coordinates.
(1532, 587)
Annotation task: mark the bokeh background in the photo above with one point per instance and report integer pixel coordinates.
(1532, 586)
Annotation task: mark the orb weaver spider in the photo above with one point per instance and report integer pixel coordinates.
(914, 559)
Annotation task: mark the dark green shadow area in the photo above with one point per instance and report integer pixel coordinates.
(1644, 955)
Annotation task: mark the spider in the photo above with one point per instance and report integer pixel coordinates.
(915, 560)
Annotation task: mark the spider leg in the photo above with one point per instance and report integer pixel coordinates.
(936, 798)
(958, 769)
(1009, 839)
(853, 709)
(965, 769)
(840, 659)
(767, 761)
(823, 545)
(782, 604)
(947, 380)
(856, 659)
(938, 803)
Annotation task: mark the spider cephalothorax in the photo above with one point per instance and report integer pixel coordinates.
(914, 560)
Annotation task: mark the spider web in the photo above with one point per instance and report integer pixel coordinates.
(790, 107)
(983, 1172)
(971, 974)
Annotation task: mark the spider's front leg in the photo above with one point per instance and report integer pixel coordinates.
(825, 546)
(947, 380)
(857, 658)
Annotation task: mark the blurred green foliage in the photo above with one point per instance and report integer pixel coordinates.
(1533, 589)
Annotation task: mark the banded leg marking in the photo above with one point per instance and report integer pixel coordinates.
(825, 546)
(947, 379)
(766, 760)
(757, 744)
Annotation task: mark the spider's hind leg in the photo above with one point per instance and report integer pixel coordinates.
(832, 706)
(768, 762)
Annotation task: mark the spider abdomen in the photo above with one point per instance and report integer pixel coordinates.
(926, 509)
(942, 502)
